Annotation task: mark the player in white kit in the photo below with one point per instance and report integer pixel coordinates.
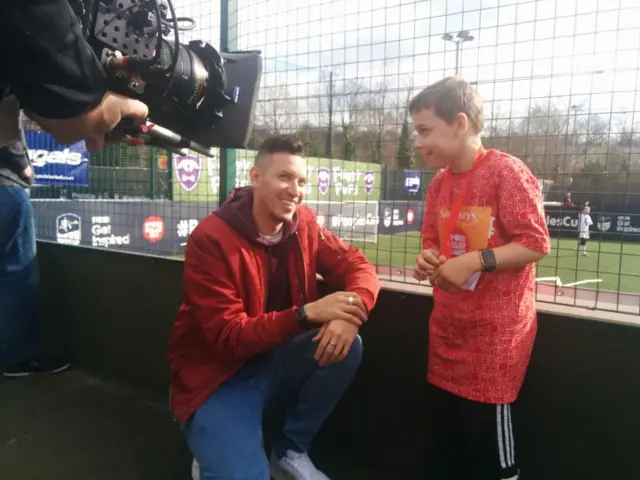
(584, 222)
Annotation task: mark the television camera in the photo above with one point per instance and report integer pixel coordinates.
(198, 97)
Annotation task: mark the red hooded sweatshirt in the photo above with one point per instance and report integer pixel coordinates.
(239, 293)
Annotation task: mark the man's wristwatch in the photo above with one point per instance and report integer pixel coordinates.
(301, 317)
(488, 259)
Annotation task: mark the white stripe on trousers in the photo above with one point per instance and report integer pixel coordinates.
(506, 448)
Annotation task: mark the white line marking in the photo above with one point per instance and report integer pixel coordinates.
(558, 281)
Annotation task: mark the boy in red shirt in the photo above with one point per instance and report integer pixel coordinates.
(484, 229)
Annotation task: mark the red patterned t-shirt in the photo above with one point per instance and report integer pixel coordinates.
(480, 340)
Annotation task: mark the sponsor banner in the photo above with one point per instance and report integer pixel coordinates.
(353, 222)
(164, 227)
(197, 178)
(151, 227)
(618, 227)
(56, 164)
(412, 182)
(399, 217)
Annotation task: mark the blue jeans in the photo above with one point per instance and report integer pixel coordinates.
(225, 433)
(19, 324)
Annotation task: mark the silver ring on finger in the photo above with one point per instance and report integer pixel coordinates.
(333, 344)
(350, 300)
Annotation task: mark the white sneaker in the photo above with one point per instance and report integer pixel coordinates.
(195, 470)
(295, 466)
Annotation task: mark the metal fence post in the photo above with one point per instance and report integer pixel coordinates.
(228, 43)
(153, 164)
(170, 175)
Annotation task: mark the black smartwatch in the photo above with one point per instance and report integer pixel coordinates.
(301, 317)
(489, 262)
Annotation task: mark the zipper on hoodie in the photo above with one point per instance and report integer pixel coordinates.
(267, 279)
(304, 294)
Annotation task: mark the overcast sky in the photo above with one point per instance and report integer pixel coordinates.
(585, 52)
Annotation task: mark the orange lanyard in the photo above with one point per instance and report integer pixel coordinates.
(450, 224)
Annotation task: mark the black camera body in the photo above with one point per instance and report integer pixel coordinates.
(198, 97)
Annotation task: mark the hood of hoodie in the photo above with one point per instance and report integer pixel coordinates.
(237, 211)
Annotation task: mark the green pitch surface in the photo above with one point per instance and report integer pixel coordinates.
(616, 264)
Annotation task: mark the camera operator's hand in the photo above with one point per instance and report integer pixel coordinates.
(28, 174)
(337, 306)
(92, 127)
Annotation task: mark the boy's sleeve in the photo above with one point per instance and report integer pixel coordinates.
(430, 220)
(521, 209)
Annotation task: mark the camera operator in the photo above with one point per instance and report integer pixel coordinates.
(59, 82)
(20, 352)
(48, 70)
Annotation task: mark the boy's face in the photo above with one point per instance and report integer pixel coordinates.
(438, 142)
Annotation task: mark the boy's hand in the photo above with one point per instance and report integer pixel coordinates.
(456, 271)
(426, 263)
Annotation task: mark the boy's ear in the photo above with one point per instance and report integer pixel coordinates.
(462, 124)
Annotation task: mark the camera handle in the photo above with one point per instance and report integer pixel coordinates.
(159, 136)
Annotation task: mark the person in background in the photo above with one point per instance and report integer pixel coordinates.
(484, 229)
(19, 317)
(584, 223)
(567, 202)
(252, 333)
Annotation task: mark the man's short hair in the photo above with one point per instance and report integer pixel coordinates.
(448, 98)
(280, 144)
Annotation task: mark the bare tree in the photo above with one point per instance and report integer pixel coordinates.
(377, 116)
(277, 110)
(405, 153)
(346, 103)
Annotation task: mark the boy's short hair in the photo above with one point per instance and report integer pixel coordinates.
(448, 98)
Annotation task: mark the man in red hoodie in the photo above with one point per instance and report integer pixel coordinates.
(251, 332)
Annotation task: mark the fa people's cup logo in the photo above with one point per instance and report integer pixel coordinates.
(369, 181)
(604, 222)
(386, 217)
(213, 167)
(324, 179)
(69, 229)
(188, 170)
